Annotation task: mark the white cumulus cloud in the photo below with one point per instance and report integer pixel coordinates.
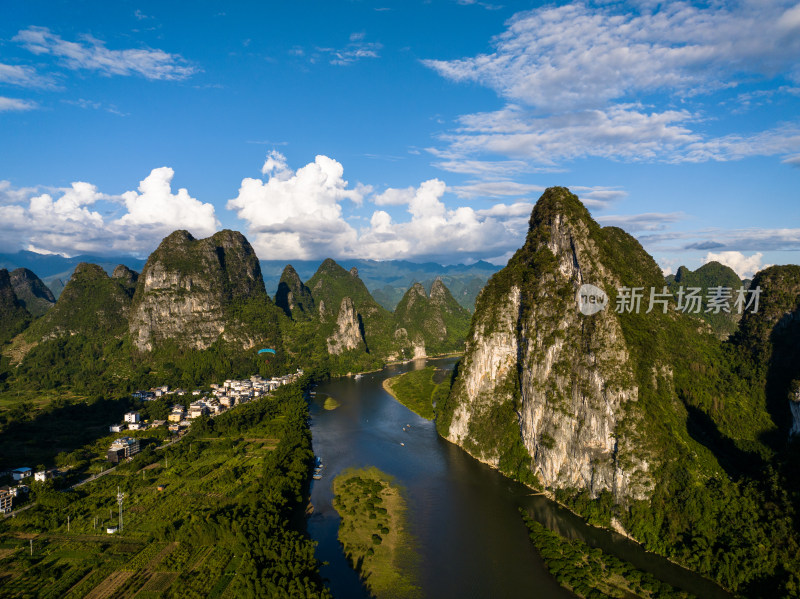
(297, 214)
(71, 220)
(156, 206)
(293, 215)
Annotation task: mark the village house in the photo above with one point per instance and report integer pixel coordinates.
(20, 473)
(45, 475)
(116, 428)
(6, 500)
(177, 414)
(123, 448)
(132, 417)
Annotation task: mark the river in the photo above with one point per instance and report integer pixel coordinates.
(463, 515)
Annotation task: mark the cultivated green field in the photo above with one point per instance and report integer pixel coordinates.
(225, 523)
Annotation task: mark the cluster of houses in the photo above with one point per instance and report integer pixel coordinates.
(8, 493)
(223, 396)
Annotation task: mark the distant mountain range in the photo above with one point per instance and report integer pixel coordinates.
(387, 280)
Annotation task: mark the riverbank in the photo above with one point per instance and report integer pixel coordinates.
(373, 531)
(418, 390)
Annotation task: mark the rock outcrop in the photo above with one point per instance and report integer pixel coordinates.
(31, 291)
(293, 297)
(330, 286)
(349, 331)
(189, 289)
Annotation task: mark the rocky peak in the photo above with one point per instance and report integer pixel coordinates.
(349, 332)
(126, 277)
(188, 288)
(559, 384)
(31, 291)
(354, 272)
(427, 325)
(293, 297)
(125, 274)
(92, 303)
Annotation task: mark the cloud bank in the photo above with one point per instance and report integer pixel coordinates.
(625, 81)
(293, 215)
(70, 220)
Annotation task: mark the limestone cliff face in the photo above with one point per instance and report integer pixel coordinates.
(349, 333)
(539, 372)
(188, 288)
(293, 297)
(31, 291)
(330, 286)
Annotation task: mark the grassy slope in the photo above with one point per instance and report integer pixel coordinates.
(373, 531)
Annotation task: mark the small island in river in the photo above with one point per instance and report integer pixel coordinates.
(373, 532)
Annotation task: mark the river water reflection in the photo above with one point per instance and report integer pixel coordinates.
(463, 516)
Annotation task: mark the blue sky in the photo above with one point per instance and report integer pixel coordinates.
(415, 130)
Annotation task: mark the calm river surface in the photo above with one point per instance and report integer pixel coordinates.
(463, 516)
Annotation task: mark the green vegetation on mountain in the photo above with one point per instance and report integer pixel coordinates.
(331, 284)
(31, 291)
(436, 322)
(706, 278)
(218, 513)
(78, 342)
(713, 494)
(373, 532)
(13, 315)
(92, 304)
(420, 390)
(349, 331)
(591, 573)
(293, 297)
